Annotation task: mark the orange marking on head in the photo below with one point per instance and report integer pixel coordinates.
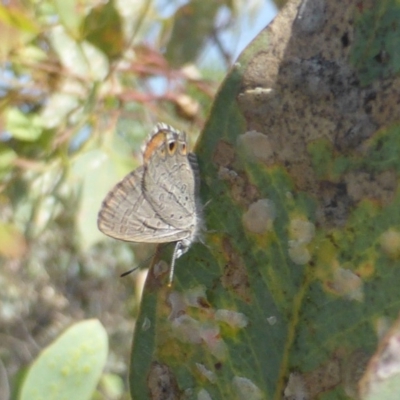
(154, 143)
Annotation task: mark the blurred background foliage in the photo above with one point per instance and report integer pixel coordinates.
(81, 84)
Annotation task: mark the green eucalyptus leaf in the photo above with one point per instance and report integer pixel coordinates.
(81, 58)
(70, 367)
(23, 126)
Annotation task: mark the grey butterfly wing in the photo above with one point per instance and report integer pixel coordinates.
(170, 187)
(126, 214)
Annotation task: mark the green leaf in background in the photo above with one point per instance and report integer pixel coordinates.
(70, 17)
(16, 18)
(112, 386)
(81, 58)
(61, 104)
(16, 29)
(70, 367)
(12, 241)
(7, 156)
(103, 29)
(193, 21)
(22, 126)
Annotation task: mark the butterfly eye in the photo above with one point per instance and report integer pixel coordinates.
(171, 147)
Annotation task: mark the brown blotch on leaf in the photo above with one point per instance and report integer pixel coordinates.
(303, 176)
(157, 273)
(162, 383)
(341, 369)
(203, 303)
(224, 154)
(324, 378)
(243, 192)
(218, 366)
(379, 187)
(235, 276)
(334, 204)
(355, 137)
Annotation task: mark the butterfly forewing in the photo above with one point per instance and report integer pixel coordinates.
(169, 183)
(126, 214)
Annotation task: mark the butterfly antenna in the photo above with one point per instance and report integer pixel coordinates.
(128, 272)
(144, 261)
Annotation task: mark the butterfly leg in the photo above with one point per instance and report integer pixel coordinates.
(181, 248)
